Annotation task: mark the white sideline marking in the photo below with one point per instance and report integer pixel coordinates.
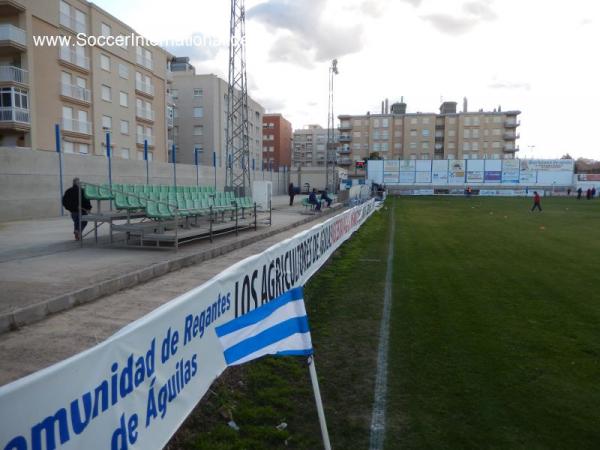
(380, 397)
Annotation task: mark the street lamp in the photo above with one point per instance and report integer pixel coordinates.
(197, 153)
(330, 161)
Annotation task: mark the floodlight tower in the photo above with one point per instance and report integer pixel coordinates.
(331, 154)
(237, 148)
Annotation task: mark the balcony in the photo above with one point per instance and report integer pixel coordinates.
(511, 136)
(344, 151)
(145, 137)
(345, 138)
(75, 92)
(12, 74)
(512, 123)
(144, 114)
(11, 36)
(169, 75)
(12, 115)
(510, 149)
(144, 88)
(76, 126)
(345, 126)
(144, 61)
(345, 162)
(72, 23)
(11, 7)
(72, 58)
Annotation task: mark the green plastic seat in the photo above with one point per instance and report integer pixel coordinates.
(91, 192)
(105, 193)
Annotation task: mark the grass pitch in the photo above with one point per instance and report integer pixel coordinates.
(495, 336)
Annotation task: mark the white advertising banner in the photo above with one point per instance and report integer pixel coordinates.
(439, 171)
(510, 171)
(407, 165)
(134, 390)
(554, 165)
(407, 177)
(457, 172)
(423, 177)
(391, 171)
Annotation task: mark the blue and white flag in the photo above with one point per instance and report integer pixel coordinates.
(279, 327)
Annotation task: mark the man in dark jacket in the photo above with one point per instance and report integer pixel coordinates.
(291, 193)
(71, 203)
(312, 199)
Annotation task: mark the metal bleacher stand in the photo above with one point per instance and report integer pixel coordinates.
(158, 216)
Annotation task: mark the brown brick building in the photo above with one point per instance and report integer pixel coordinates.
(277, 141)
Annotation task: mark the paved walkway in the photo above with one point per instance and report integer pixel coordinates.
(43, 271)
(59, 336)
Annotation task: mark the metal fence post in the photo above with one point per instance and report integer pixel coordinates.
(60, 168)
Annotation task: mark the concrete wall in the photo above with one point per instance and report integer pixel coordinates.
(29, 179)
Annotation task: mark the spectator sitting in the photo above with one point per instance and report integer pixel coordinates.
(312, 199)
(326, 198)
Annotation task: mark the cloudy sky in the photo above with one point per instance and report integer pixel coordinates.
(533, 56)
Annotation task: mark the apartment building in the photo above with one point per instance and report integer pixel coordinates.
(88, 90)
(200, 117)
(277, 141)
(310, 146)
(397, 134)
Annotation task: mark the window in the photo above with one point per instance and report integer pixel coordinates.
(198, 92)
(175, 94)
(123, 71)
(198, 111)
(384, 146)
(466, 146)
(123, 99)
(68, 147)
(425, 145)
(413, 120)
(125, 153)
(198, 130)
(474, 146)
(467, 133)
(397, 146)
(14, 97)
(497, 119)
(496, 132)
(124, 127)
(475, 133)
(105, 29)
(84, 149)
(425, 132)
(424, 155)
(452, 120)
(451, 145)
(104, 62)
(413, 133)
(425, 120)
(106, 93)
(468, 120)
(67, 113)
(140, 155)
(385, 123)
(496, 144)
(106, 122)
(413, 145)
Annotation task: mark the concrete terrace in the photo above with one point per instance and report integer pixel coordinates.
(43, 270)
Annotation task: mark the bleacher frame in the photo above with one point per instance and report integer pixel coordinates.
(162, 216)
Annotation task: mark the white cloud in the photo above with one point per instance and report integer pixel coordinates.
(310, 33)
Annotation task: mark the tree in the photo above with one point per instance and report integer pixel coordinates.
(566, 156)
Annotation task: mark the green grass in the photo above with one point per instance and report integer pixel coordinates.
(495, 325)
(495, 337)
(344, 303)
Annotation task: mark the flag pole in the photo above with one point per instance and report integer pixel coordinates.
(319, 402)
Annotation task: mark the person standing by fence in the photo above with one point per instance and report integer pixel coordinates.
(537, 201)
(291, 193)
(71, 203)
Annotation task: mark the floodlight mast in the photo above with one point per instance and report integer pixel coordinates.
(330, 162)
(237, 141)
